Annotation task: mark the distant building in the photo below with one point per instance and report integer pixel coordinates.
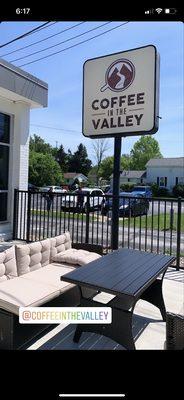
(166, 172)
(70, 177)
(134, 177)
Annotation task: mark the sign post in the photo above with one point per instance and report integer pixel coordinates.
(120, 98)
(115, 203)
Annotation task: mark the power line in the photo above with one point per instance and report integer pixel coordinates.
(25, 34)
(64, 41)
(43, 40)
(74, 45)
(54, 128)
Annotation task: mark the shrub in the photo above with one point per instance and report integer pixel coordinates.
(178, 190)
(155, 189)
(159, 191)
(163, 192)
(127, 187)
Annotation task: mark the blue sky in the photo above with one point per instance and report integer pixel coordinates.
(63, 73)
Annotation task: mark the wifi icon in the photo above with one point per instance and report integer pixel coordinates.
(159, 10)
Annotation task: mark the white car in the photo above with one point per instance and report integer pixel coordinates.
(56, 189)
(78, 199)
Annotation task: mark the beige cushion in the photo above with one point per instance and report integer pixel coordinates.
(76, 257)
(20, 292)
(8, 267)
(50, 275)
(60, 243)
(32, 256)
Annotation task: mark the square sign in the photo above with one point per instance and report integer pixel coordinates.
(120, 94)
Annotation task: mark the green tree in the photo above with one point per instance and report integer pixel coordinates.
(62, 158)
(79, 161)
(100, 146)
(143, 150)
(39, 145)
(43, 170)
(92, 176)
(126, 162)
(106, 167)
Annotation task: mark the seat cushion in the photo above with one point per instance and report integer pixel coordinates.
(32, 256)
(8, 266)
(50, 275)
(60, 243)
(76, 257)
(20, 292)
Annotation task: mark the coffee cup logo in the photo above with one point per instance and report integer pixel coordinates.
(119, 75)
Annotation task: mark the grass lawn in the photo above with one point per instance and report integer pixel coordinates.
(58, 214)
(162, 222)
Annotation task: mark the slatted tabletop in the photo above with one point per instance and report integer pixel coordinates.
(122, 272)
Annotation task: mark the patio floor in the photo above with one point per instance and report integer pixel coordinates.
(148, 328)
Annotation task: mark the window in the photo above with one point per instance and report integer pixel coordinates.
(177, 180)
(4, 163)
(3, 208)
(158, 180)
(163, 181)
(4, 128)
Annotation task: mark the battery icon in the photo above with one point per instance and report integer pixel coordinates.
(170, 10)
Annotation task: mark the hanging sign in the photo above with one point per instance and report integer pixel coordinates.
(121, 93)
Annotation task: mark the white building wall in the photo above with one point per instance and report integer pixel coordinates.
(170, 172)
(19, 155)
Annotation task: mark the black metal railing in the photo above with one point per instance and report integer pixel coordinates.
(148, 224)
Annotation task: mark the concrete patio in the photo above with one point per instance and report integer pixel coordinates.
(148, 329)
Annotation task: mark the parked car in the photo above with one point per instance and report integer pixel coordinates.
(32, 188)
(55, 189)
(106, 188)
(129, 205)
(78, 199)
(142, 190)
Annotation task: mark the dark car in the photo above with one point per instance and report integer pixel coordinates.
(32, 188)
(129, 205)
(142, 191)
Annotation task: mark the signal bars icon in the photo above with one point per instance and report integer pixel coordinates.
(151, 11)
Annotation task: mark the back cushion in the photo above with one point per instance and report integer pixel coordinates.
(60, 243)
(32, 256)
(8, 267)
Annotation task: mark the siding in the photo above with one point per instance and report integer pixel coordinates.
(170, 172)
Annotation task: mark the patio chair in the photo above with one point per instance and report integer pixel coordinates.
(174, 331)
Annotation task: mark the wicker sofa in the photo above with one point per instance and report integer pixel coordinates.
(30, 276)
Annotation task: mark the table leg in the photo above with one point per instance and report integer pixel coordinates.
(154, 295)
(120, 330)
(77, 334)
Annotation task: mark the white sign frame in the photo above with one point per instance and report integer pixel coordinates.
(120, 131)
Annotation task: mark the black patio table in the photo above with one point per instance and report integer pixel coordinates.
(129, 275)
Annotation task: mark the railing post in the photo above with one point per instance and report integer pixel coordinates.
(178, 235)
(87, 219)
(28, 217)
(15, 213)
(171, 218)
